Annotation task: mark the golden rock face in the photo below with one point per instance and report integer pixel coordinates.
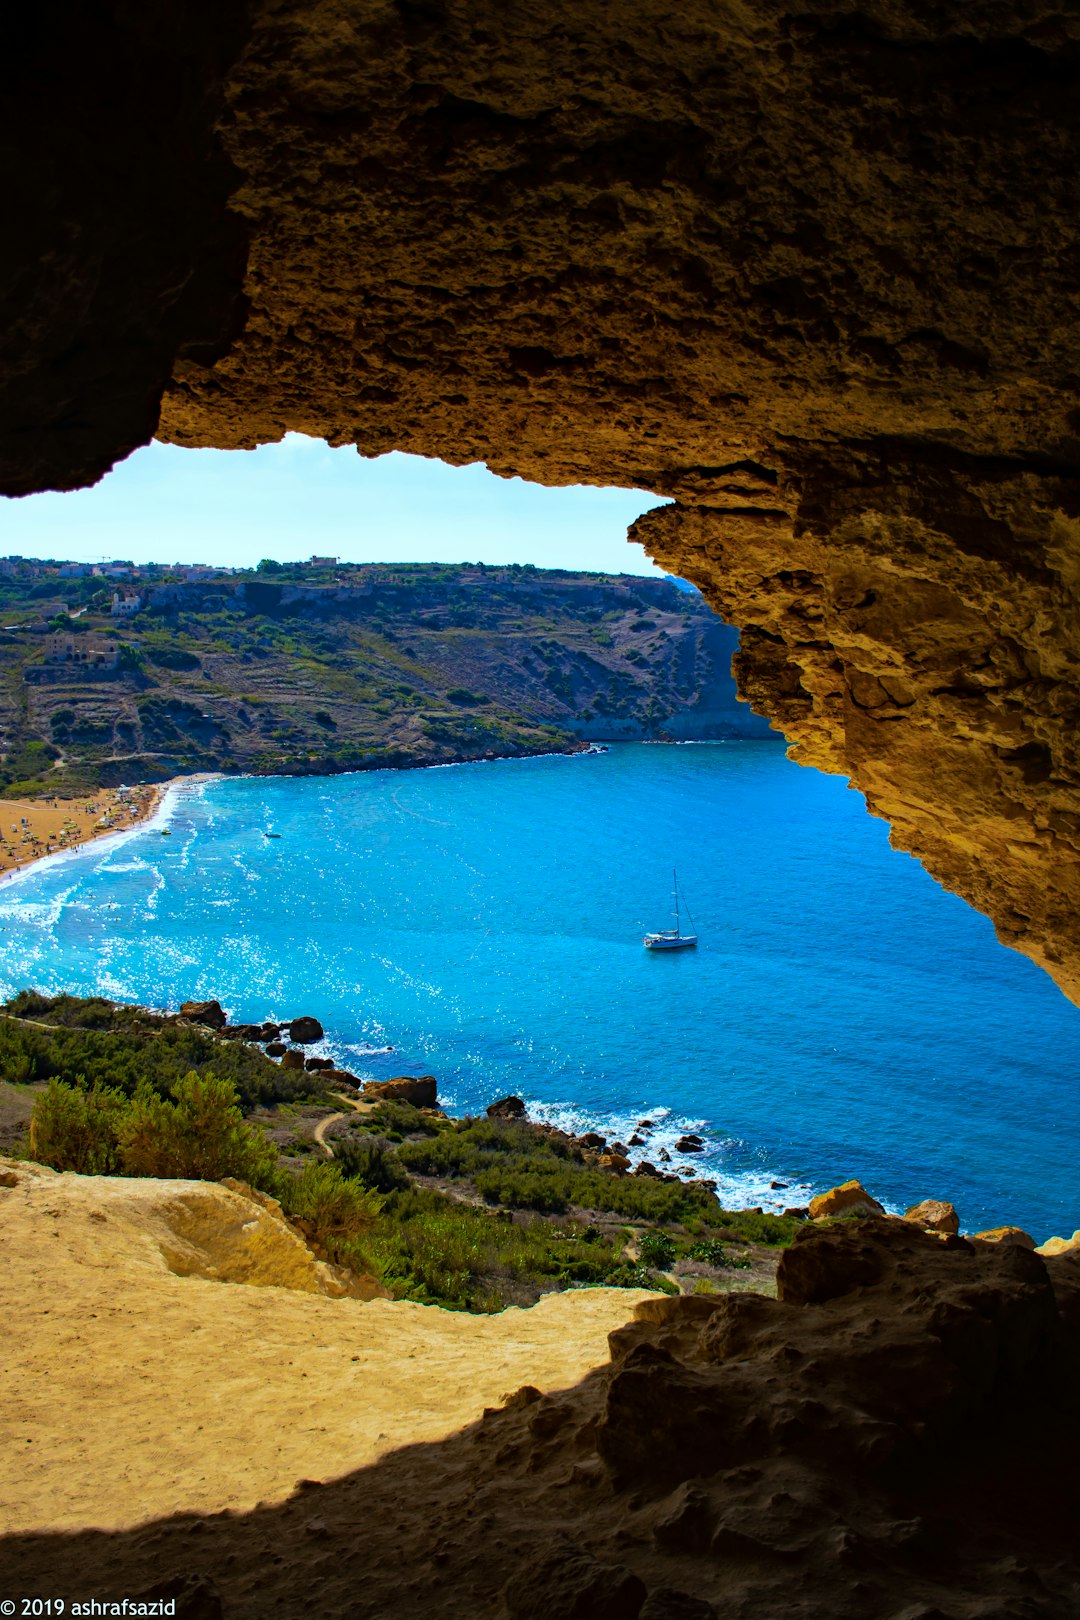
(812, 277)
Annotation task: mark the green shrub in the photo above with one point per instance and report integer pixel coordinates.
(201, 1136)
(774, 1230)
(122, 1047)
(75, 1128)
(371, 1163)
(657, 1249)
(333, 1212)
(710, 1251)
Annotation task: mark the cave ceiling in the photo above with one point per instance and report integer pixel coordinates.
(811, 274)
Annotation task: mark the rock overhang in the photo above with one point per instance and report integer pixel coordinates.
(813, 278)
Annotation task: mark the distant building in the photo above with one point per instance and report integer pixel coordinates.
(74, 570)
(199, 571)
(125, 604)
(322, 562)
(74, 650)
(112, 570)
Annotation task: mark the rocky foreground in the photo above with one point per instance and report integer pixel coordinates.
(895, 1437)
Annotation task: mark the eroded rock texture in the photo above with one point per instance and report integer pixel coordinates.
(813, 275)
(896, 1438)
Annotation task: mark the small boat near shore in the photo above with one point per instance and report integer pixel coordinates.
(672, 939)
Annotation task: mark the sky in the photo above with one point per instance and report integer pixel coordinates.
(290, 500)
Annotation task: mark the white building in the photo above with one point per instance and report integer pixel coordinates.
(124, 605)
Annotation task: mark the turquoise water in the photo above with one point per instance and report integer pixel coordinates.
(842, 1016)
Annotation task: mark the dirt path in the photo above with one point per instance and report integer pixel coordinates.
(331, 1119)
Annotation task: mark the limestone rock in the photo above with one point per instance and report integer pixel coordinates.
(934, 1216)
(615, 1162)
(204, 1012)
(304, 1031)
(689, 1144)
(866, 423)
(850, 1197)
(421, 1091)
(292, 1060)
(506, 1108)
(276, 1049)
(1057, 1245)
(1008, 1236)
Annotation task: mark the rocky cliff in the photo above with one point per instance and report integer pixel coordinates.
(813, 276)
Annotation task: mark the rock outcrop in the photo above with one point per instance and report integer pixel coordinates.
(305, 1031)
(209, 1013)
(422, 1091)
(850, 1198)
(896, 1436)
(812, 277)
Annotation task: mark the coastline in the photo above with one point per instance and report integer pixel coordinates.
(124, 811)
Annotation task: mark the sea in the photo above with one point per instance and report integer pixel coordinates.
(842, 1015)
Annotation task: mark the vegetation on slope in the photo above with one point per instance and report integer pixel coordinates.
(472, 1214)
(298, 672)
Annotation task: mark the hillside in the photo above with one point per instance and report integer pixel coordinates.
(296, 672)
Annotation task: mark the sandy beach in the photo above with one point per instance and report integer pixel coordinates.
(31, 829)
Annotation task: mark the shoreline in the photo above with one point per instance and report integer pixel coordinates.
(150, 801)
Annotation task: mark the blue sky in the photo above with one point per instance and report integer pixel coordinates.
(289, 500)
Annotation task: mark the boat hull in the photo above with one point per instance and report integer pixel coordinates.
(660, 942)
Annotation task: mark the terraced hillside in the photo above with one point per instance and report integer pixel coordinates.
(308, 674)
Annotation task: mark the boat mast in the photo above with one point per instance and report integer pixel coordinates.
(675, 881)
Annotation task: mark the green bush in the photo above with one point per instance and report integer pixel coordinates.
(122, 1047)
(199, 1136)
(657, 1249)
(710, 1251)
(371, 1163)
(333, 1212)
(75, 1128)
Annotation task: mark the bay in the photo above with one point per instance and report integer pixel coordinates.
(843, 1015)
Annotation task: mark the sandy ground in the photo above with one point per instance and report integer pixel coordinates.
(33, 828)
(132, 1393)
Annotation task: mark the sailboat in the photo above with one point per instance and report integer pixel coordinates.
(672, 939)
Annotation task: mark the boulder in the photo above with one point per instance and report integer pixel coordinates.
(1011, 1237)
(506, 1108)
(646, 1169)
(620, 1148)
(303, 1031)
(797, 1213)
(268, 1032)
(276, 1049)
(319, 1063)
(1056, 1245)
(616, 1162)
(292, 1060)
(341, 1077)
(421, 1091)
(849, 1197)
(593, 1139)
(209, 1013)
(934, 1215)
(689, 1144)
(637, 1141)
